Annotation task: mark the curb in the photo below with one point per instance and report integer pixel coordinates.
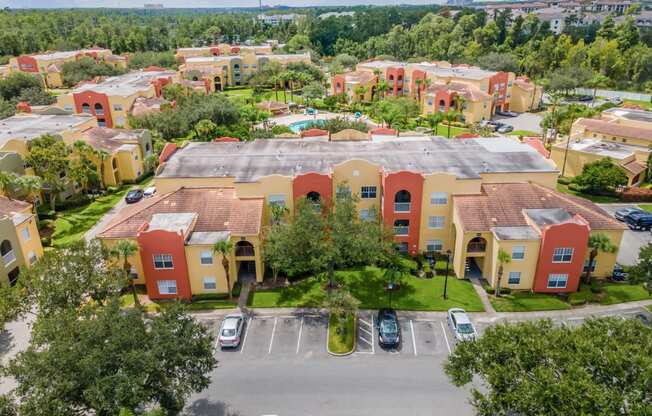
(355, 339)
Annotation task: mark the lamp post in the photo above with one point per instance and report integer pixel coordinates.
(448, 258)
(390, 288)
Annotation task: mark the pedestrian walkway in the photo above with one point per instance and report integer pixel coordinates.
(244, 296)
(488, 307)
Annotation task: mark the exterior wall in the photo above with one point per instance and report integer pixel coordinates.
(8, 232)
(197, 271)
(523, 100)
(605, 262)
(413, 183)
(27, 64)
(135, 260)
(130, 164)
(54, 79)
(576, 160)
(498, 87)
(581, 131)
(562, 235)
(526, 266)
(31, 245)
(313, 182)
(438, 183)
(356, 174)
(395, 79)
(92, 98)
(268, 186)
(164, 242)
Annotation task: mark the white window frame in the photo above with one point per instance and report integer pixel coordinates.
(516, 251)
(203, 256)
(439, 198)
(560, 253)
(556, 278)
(24, 233)
(210, 280)
(167, 285)
(510, 276)
(433, 222)
(163, 258)
(367, 190)
(434, 246)
(276, 199)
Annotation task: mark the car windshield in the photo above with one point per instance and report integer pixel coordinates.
(388, 327)
(465, 328)
(228, 332)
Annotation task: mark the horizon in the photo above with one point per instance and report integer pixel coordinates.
(203, 4)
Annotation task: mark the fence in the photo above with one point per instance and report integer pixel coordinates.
(625, 95)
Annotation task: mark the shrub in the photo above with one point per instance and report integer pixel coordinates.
(210, 296)
(281, 129)
(46, 241)
(564, 181)
(490, 290)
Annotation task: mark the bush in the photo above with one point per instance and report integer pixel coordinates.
(237, 288)
(577, 301)
(490, 290)
(74, 201)
(281, 129)
(564, 181)
(46, 241)
(210, 296)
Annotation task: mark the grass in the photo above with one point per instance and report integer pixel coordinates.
(442, 130)
(623, 292)
(127, 301)
(524, 133)
(526, 302)
(368, 285)
(645, 104)
(594, 198)
(645, 207)
(341, 334)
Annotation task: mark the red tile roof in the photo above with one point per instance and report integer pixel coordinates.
(615, 129)
(217, 209)
(634, 167)
(12, 206)
(537, 144)
(502, 205)
(314, 133)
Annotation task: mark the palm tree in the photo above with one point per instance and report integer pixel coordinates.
(433, 121)
(503, 258)
(572, 110)
(450, 116)
(382, 88)
(30, 186)
(123, 250)
(360, 91)
(417, 83)
(275, 80)
(102, 156)
(225, 248)
(459, 103)
(598, 242)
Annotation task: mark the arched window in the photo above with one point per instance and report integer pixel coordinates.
(5, 247)
(86, 108)
(314, 197)
(391, 77)
(244, 248)
(114, 163)
(400, 78)
(99, 110)
(217, 82)
(402, 201)
(442, 105)
(476, 245)
(236, 67)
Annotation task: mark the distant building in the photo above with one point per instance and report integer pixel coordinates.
(153, 6)
(336, 14)
(277, 19)
(459, 2)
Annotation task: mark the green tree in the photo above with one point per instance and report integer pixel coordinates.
(102, 156)
(522, 366)
(341, 303)
(608, 28)
(312, 92)
(8, 182)
(122, 250)
(641, 272)
(84, 69)
(597, 243)
(601, 176)
(451, 116)
(50, 159)
(503, 259)
(205, 130)
(225, 248)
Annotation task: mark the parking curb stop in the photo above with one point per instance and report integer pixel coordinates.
(355, 339)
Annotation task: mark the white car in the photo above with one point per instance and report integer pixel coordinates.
(149, 192)
(231, 331)
(461, 325)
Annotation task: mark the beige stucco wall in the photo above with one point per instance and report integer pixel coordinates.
(527, 266)
(31, 245)
(355, 174)
(605, 261)
(134, 261)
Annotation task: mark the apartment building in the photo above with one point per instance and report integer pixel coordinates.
(110, 100)
(222, 49)
(440, 86)
(220, 71)
(277, 19)
(417, 185)
(623, 135)
(20, 244)
(49, 65)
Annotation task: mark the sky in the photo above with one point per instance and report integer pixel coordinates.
(199, 3)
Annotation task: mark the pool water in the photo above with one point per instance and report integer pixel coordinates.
(298, 126)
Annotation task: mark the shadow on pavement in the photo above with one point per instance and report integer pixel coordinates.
(6, 342)
(205, 407)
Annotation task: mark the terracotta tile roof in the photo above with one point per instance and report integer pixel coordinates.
(108, 139)
(217, 209)
(502, 205)
(12, 206)
(634, 167)
(615, 129)
(362, 77)
(537, 144)
(467, 91)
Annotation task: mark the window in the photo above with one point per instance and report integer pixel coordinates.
(86, 108)
(367, 214)
(25, 234)
(67, 107)
(167, 287)
(438, 198)
(436, 222)
(276, 199)
(210, 283)
(120, 121)
(514, 278)
(558, 281)
(562, 255)
(101, 122)
(117, 107)
(434, 245)
(518, 252)
(163, 261)
(403, 248)
(32, 257)
(206, 258)
(586, 265)
(401, 227)
(367, 192)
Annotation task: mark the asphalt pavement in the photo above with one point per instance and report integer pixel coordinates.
(632, 240)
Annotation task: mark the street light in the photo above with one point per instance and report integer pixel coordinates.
(390, 288)
(448, 258)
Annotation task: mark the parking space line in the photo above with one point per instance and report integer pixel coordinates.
(366, 341)
(365, 322)
(299, 339)
(271, 340)
(373, 343)
(244, 340)
(366, 331)
(414, 342)
(443, 330)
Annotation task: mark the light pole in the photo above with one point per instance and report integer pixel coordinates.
(390, 288)
(448, 258)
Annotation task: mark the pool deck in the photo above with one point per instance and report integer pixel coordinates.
(322, 115)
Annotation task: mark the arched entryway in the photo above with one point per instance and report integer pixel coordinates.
(244, 249)
(476, 245)
(313, 197)
(402, 201)
(217, 82)
(442, 106)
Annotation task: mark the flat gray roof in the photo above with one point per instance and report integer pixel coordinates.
(617, 151)
(127, 84)
(548, 216)
(516, 233)
(30, 126)
(172, 222)
(250, 161)
(208, 237)
(631, 114)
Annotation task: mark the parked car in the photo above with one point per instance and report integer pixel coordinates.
(507, 113)
(623, 212)
(231, 330)
(134, 195)
(505, 128)
(619, 274)
(584, 97)
(461, 325)
(639, 221)
(615, 100)
(389, 331)
(149, 192)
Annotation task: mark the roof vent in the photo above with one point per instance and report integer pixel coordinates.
(494, 219)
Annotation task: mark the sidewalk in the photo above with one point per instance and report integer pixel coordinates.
(488, 307)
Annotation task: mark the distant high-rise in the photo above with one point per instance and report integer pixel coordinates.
(459, 2)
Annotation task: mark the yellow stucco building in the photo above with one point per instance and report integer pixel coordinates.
(20, 244)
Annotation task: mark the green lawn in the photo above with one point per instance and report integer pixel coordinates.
(646, 207)
(595, 198)
(442, 130)
(524, 133)
(623, 292)
(645, 104)
(526, 302)
(127, 300)
(341, 334)
(368, 285)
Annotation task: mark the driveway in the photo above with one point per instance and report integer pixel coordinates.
(632, 240)
(524, 121)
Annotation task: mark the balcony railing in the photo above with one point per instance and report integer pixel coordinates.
(9, 257)
(244, 251)
(401, 207)
(476, 248)
(402, 230)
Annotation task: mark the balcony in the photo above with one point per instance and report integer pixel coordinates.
(402, 206)
(244, 251)
(401, 230)
(474, 247)
(9, 257)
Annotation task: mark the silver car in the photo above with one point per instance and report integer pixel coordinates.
(231, 331)
(461, 325)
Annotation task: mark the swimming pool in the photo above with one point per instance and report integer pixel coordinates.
(298, 126)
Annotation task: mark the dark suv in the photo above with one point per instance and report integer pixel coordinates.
(389, 331)
(639, 220)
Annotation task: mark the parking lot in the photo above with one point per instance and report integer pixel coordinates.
(632, 240)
